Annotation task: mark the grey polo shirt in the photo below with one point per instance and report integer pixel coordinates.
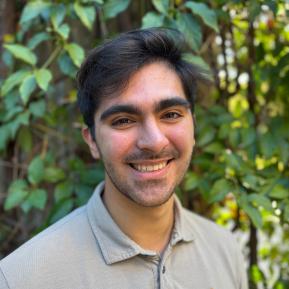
(87, 250)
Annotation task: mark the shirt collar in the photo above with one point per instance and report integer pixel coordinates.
(114, 244)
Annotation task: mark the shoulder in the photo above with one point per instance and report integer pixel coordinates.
(205, 228)
(213, 239)
(50, 250)
(218, 245)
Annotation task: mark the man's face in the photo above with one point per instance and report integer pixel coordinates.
(145, 136)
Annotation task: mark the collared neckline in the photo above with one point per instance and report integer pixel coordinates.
(116, 246)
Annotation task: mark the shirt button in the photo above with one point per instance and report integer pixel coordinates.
(164, 269)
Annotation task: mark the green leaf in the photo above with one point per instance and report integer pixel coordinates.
(113, 7)
(162, 5)
(37, 198)
(33, 9)
(91, 176)
(63, 191)
(36, 171)
(37, 108)
(219, 190)
(83, 193)
(4, 136)
(24, 139)
(207, 15)
(75, 52)
(206, 135)
(191, 181)
(66, 65)
(152, 19)
(60, 210)
(85, 14)
(248, 136)
(17, 192)
(214, 148)
(261, 200)
(43, 77)
(13, 80)
(22, 52)
(37, 39)
(196, 60)
(252, 212)
(53, 174)
(236, 162)
(286, 212)
(251, 181)
(63, 31)
(21, 119)
(57, 15)
(92, 1)
(191, 30)
(267, 144)
(279, 192)
(27, 87)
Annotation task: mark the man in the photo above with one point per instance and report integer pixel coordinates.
(136, 95)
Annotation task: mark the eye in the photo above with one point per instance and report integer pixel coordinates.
(171, 115)
(121, 122)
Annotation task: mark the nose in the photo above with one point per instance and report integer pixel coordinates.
(152, 137)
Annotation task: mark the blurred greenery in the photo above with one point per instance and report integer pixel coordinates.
(239, 172)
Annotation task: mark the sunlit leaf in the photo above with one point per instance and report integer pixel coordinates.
(37, 39)
(75, 52)
(63, 30)
(43, 77)
(85, 14)
(207, 15)
(13, 80)
(162, 5)
(57, 15)
(197, 60)
(26, 88)
(22, 52)
(33, 9)
(113, 7)
(190, 28)
(152, 19)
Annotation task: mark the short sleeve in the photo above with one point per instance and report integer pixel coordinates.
(3, 281)
(243, 279)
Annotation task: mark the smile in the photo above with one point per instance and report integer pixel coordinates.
(150, 168)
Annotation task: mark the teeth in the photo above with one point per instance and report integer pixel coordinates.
(149, 168)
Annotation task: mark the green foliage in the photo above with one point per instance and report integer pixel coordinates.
(22, 52)
(239, 171)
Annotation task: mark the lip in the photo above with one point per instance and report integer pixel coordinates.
(143, 176)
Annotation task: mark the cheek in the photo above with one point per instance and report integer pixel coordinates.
(183, 137)
(116, 144)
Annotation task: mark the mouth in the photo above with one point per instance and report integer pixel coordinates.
(153, 167)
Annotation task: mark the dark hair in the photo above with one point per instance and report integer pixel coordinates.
(108, 67)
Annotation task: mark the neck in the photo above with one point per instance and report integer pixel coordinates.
(151, 226)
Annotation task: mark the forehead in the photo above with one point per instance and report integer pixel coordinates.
(147, 87)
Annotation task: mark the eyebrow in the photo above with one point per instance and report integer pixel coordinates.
(131, 109)
(174, 101)
(120, 108)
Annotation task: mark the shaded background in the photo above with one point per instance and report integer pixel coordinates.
(239, 172)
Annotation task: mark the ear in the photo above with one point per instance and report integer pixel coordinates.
(90, 142)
